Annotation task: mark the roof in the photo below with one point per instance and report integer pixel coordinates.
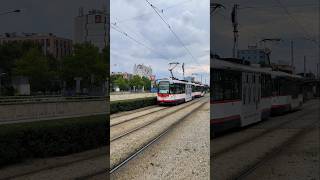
(222, 64)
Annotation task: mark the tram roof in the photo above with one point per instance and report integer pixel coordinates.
(180, 81)
(222, 64)
(173, 80)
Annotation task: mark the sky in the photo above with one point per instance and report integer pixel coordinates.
(267, 19)
(189, 19)
(44, 16)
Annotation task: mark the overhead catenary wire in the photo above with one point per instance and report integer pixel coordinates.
(148, 13)
(172, 31)
(114, 27)
(305, 33)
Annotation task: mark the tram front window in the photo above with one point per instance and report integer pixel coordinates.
(164, 87)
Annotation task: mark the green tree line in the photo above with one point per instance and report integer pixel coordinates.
(46, 73)
(129, 84)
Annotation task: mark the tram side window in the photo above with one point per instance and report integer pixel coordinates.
(217, 85)
(226, 85)
(266, 84)
(177, 88)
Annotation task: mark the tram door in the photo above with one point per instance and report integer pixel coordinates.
(188, 92)
(250, 98)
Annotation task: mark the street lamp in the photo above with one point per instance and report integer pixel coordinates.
(13, 11)
(2, 74)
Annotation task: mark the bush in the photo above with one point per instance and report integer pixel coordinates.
(51, 138)
(131, 104)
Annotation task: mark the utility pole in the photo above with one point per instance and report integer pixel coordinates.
(318, 75)
(234, 20)
(183, 69)
(317, 70)
(292, 60)
(304, 66)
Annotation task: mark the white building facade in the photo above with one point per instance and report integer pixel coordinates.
(254, 55)
(92, 27)
(142, 71)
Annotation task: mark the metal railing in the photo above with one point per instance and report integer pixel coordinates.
(46, 99)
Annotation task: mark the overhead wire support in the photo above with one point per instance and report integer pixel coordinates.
(214, 6)
(175, 35)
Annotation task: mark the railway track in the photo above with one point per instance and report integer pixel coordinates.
(26, 174)
(247, 171)
(260, 134)
(253, 151)
(126, 113)
(124, 130)
(184, 111)
(127, 118)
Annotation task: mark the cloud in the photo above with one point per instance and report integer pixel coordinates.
(189, 20)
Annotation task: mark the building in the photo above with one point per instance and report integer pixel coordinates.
(142, 71)
(92, 27)
(190, 78)
(125, 75)
(56, 46)
(254, 55)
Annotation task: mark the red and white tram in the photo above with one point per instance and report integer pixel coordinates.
(197, 90)
(172, 91)
(242, 94)
(286, 92)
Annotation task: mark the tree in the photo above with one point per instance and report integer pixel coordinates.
(122, 83)
(12, 51)
(146, 83)
(136, 82)
(86, 62)
(35, 66)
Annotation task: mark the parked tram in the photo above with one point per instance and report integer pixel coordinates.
(242, 94)
(174, 91)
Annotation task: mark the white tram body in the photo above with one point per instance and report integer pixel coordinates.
(172, 91)
(197, 90)
(287, 92)
(242, 94)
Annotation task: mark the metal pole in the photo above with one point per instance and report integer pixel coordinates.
(234, 15)
(0, 87)
(317, 70)
(292, 62)
(304, 66)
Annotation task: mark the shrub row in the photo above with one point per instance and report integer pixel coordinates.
(131, 104)
(51, 138)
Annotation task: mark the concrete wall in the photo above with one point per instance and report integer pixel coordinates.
(124, 96)
(31, 111)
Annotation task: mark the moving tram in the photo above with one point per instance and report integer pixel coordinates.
(242, 94)
(174, 91)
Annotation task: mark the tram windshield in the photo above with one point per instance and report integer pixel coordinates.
(164, 87)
